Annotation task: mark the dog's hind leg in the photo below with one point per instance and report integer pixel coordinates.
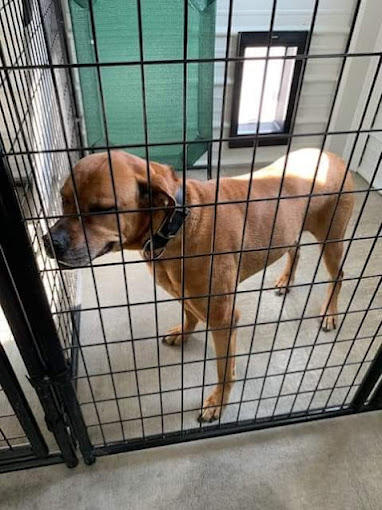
(174, 335)
(332, 229)
(287, 276)
(332, 257)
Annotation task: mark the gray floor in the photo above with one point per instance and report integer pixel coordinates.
(331, 465)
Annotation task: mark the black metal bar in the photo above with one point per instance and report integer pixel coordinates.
(75, 346)
(361, 366)
(218, 169)
(316, 411)
(73, 97)
(369, 394)
(32, 358)
(19, 403)
(26, 459)
(248, 195)
(263, 323)
(231, 403)
(276, 349)
(210, 204)
(38, 343)
(193, 362)
(217, 431)
(247, 250)
(191, 142)
(184, 191)
(150, 194)
(209, 161)
(138, 62)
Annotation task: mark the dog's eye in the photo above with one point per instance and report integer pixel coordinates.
(99, 209)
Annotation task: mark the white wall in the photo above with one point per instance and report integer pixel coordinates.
(358, 76)
(367, 155)
(330, 34)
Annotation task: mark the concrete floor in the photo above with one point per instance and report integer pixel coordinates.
(331, 465)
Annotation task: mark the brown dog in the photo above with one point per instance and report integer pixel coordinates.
(95, 193)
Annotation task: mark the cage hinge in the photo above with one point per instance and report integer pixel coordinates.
(45, 386)
(54, 380)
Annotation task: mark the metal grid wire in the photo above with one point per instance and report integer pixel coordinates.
(30, 114)
(12, 434)
(131, 387)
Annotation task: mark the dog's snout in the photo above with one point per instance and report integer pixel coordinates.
(58, 244)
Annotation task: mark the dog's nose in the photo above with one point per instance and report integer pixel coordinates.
(60, 242)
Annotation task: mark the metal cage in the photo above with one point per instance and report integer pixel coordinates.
(94, 357)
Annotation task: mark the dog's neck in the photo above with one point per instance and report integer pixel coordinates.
(169, 229)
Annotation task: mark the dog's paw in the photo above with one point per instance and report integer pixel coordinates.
(212, 408)
(174, 336)
(329, 323)
(282, 285)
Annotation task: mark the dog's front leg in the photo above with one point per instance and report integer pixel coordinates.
(225, 343)
(175, 336)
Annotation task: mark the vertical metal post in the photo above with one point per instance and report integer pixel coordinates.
(20, 406)
(37, 370)
(371, 387)
(26, 307)
(209, 161)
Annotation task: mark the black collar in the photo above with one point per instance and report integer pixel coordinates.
(154, 247)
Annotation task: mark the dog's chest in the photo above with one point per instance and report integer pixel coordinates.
(168, 276)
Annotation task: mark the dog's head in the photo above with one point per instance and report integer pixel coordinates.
(91, 198)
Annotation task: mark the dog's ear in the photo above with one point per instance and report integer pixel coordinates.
(162, 185)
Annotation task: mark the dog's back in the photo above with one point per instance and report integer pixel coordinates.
(299, 173)
(304, 167)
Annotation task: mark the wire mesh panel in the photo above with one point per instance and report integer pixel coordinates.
(21, 441)
(256, 345)
(37, 111)
(11, 432)
(95, 38)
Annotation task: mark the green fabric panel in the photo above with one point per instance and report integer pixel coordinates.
(118, 41)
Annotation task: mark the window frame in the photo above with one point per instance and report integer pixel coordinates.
(297, 38)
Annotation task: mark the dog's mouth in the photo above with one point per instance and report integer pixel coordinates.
(66, 265)
(108, 247)
(79, 262)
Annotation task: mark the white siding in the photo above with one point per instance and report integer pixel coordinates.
(330, 34)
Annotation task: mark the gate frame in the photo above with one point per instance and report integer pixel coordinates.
(37, 453)
(26, 307)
